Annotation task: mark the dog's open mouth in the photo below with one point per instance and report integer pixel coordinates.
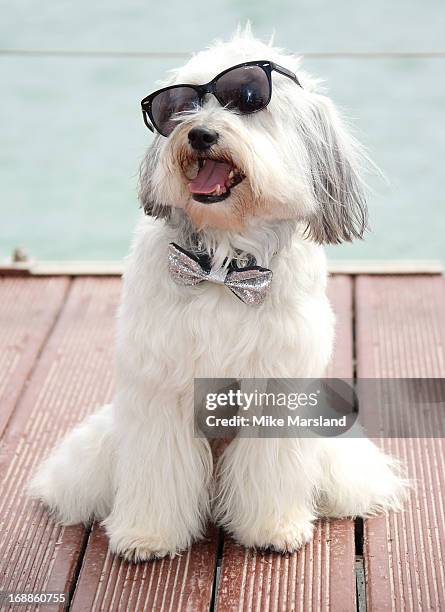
(214, 180)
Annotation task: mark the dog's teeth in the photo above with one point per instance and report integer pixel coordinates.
(218, 190)
(231, 174)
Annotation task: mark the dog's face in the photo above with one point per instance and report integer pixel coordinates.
(291, 160)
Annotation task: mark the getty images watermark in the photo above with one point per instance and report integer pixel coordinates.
(273, 408)
(248, 401)
(329, 407)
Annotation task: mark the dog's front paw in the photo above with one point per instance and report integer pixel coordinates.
(134, 545)
(286, 536)
(291, 536)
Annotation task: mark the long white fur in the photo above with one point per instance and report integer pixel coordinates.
(136, 464)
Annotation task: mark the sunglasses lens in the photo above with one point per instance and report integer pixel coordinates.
(166, 105)
(245, 89)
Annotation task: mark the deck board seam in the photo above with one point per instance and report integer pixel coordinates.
(78, 567)
(353, 278)
(217, 574)
(360, 602)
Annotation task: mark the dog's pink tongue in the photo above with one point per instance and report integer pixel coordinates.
(211, 175)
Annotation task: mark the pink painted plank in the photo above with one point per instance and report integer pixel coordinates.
(72, 376)
(28, 310)
(401, 333)
(321, 576)
(106, 582)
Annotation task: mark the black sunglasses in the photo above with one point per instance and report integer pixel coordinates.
(244, 89)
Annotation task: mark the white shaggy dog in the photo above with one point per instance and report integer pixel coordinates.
(288, 181)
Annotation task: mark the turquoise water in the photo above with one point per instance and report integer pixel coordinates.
(72, 135)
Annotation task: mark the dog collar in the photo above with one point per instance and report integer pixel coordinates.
(249, 283)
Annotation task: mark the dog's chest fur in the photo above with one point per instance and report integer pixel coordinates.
(206, 331)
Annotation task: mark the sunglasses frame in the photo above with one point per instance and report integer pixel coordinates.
(210, 88)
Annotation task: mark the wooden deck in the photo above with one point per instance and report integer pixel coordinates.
(56, 346)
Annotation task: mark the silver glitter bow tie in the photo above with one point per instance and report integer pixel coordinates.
(249, 284)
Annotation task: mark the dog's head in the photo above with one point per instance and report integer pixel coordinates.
(293, 159)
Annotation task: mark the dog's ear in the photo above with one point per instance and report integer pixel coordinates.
(146, 197)
(334, 158)
(152, 209)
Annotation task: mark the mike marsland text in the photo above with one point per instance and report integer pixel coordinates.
(270, 421)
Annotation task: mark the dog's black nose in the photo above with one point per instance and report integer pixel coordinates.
(201, 138)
